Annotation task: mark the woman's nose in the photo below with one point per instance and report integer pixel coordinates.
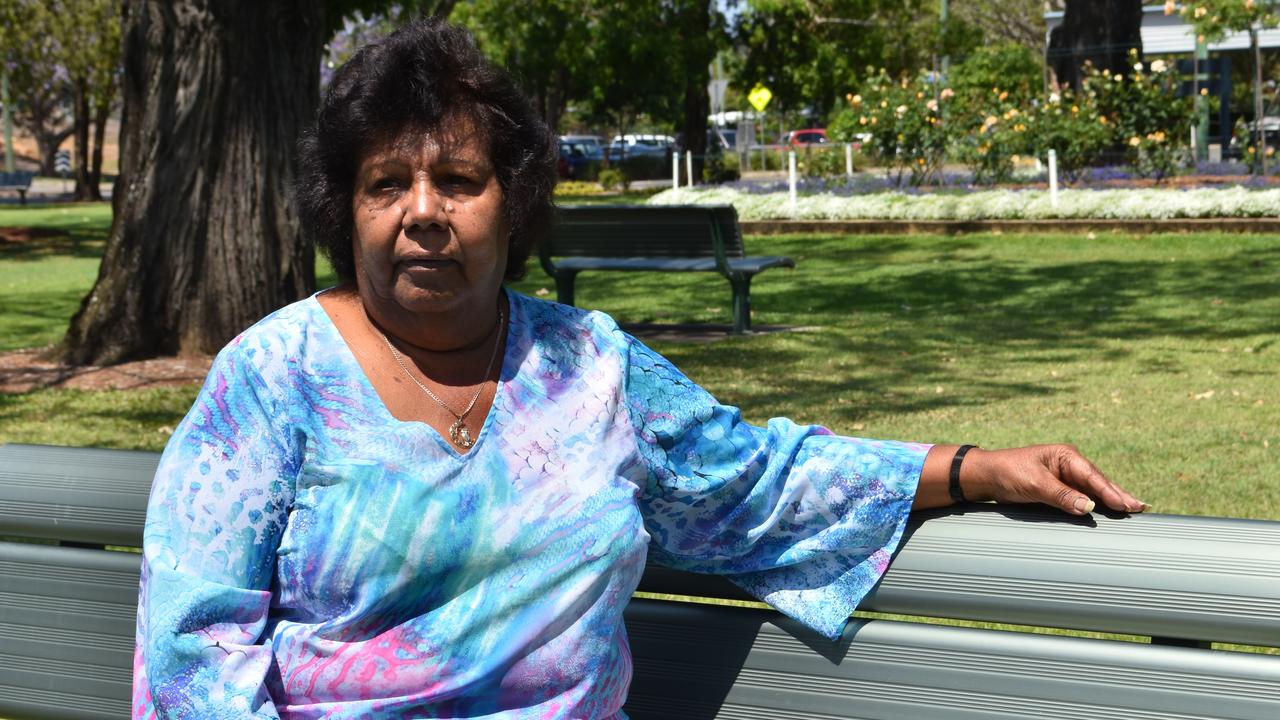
(425, 206)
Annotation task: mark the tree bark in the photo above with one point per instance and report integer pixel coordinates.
(101, 114)
(694, 28)
(1101, 32)
(205, 239)
(85, 189)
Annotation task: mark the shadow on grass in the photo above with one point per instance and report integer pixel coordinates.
(79, 242)
(27, 318)
(896, 308)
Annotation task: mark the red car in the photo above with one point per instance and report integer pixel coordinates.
(810, 136)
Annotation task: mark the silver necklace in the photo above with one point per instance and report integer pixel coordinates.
(458, 432)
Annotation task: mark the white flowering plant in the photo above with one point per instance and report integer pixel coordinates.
(1118, 204)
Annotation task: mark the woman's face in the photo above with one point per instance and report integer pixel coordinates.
(430, 231)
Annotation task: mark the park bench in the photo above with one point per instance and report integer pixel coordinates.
(654, 238)
(67, 615)
(18, 180)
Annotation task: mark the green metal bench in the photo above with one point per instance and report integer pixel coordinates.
(66, 615)
(667, 238)
(19, 181)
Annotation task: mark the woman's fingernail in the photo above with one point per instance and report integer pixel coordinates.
(1084, 505)
(1145, 506)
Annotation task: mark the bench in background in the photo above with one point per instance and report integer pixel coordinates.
(655, 238)
(67, 615)
(19, 181)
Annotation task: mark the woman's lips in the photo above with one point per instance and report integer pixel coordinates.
(427, 263)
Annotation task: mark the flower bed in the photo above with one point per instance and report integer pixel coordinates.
(1120, 204)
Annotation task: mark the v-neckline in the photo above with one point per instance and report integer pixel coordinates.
(380, 404)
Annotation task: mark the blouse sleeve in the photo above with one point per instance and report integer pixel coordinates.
(218, 506)
(801, 518)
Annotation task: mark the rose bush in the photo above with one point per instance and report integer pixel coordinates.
(901, 123)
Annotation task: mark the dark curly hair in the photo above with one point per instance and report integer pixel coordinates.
(418, 79)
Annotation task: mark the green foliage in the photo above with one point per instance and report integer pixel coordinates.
(902, 124)
(1014, 69)
(1213, 19)
(614, 179)
(809, 52)
(1244, 138)
(1148, 116)
(825, 161)
(994, 132)
(1071, 125)
(721, 168)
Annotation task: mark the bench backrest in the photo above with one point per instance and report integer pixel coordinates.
(66, 614)
(675, 231)
(17, 178)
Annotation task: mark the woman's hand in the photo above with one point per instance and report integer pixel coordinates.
(1056, 475)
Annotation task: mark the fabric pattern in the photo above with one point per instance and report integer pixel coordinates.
(308, 555)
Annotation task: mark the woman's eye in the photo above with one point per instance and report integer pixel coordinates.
(456, 180)
(384, 184)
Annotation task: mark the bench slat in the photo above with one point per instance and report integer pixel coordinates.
(66, 631)
(696, 662)
(86, 495)
(1168, 576)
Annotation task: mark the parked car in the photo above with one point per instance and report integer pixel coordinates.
(592, 145)
(640, 144)
(809, 136)
(580, 157)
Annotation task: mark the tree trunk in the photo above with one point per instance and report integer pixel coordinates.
(47, 143)
(101, 114)
(205, 239)
(695, 38)
(1101, 32)
(85, 189)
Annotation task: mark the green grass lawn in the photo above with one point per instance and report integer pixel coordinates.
(1155, 355)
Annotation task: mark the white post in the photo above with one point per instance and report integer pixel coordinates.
(675, 171)
(1053, 178)
(791, 177)
(688, 166)
(848, 159)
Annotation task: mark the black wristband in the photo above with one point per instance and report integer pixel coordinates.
(953, 484)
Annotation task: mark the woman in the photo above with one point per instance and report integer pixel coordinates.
(422, 495)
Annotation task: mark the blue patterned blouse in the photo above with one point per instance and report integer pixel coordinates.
(307, 555)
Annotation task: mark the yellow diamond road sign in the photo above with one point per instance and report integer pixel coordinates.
(759, 97)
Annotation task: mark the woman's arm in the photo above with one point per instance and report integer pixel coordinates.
(219, 504)
(1056, 475)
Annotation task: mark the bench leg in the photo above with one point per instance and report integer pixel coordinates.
(22, 197)
(741, 304)
(564, 286)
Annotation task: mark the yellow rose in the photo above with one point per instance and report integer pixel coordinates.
(1135, 141)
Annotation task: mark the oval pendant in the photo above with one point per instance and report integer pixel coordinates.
(460, 435)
